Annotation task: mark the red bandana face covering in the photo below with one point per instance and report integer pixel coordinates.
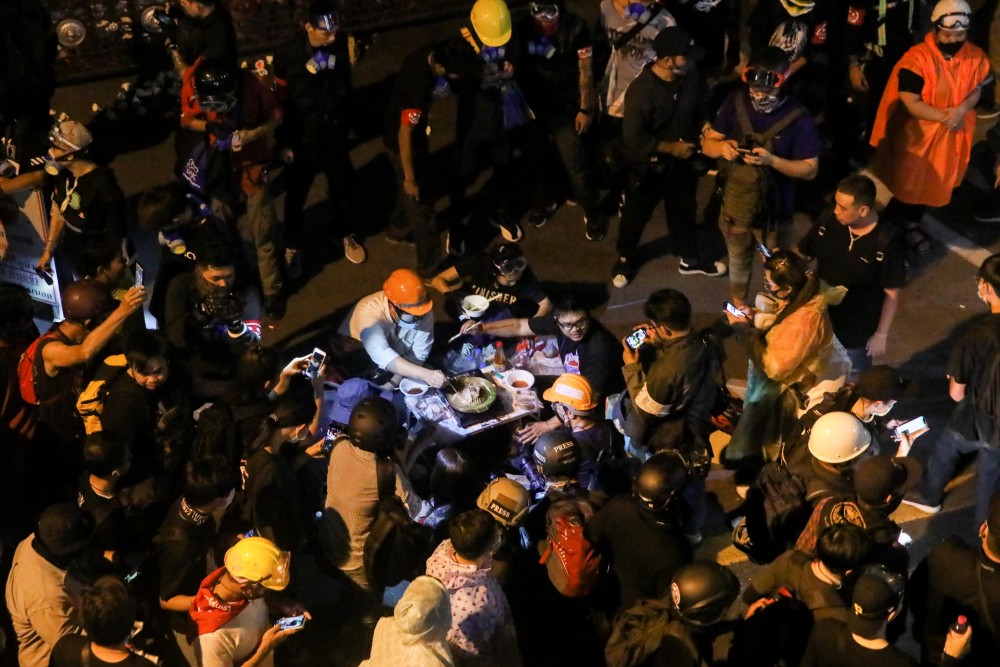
(208, 611)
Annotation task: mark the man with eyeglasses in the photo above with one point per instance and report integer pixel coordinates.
(586, 347)
(313, 78)
(924, 128)
(396, 327)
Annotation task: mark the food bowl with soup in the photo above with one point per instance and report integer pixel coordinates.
(474, 305)
(518, 379)
(412, 387)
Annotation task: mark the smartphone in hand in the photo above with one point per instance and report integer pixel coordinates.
(734, 311)
(315, 363)
(635, 339)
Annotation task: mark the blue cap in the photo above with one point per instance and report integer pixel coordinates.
(350, 394)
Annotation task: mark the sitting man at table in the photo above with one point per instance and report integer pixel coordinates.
(501, 275)
(586, 347)
(396, 328)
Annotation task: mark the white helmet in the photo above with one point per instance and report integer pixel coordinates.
(838, 437)
(952, 15)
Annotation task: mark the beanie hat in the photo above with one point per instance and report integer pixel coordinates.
(423, 613)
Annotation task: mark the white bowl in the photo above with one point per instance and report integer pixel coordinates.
(474, 305)
(514, 378)
(412, 387)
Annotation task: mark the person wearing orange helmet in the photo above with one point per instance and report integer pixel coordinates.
(396, 327)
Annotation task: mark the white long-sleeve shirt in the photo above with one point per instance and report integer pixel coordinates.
(372, 322)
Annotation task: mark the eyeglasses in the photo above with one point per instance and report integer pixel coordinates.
(761, 78)
(408, 318)
(578, 325)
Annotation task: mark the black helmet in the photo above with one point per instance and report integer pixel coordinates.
(703, 591)
(508, 258)
(373, 425)
(557, 454)
(215, 86)
(659, 480)
(83, 300)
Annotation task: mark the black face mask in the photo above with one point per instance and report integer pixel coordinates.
(951, 48)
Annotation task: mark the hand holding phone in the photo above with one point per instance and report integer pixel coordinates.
(292, 622)
(635, 339)
(911, 427)
(138, 274)
(315, 363)
(734, 311)
(763, 250)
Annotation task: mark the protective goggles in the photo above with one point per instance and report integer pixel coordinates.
(758, 77)
(508, 266)
(326, 22)
(954, 21)
(543, 11)
(408, 318)
(59, 140)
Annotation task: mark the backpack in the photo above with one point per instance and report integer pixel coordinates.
(747, 190)
(397, 547)
(779, 632)
(90, 403)
(776, 512)
(638, 633)
(26, 366)
(571, 561)
(986, 401)
(884, 236)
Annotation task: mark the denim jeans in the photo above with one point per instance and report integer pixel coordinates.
(941, 466)
(860, 362)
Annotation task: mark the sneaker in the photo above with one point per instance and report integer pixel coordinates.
(621, 205)
(694, 539)
(622, 274)
(987, 111)
(988, 211)
(274, 307)
(293, 260)
(704, 268)
(454, 243)
(595, 231)
(354, 251)
(571, 202)
(539, 216)
(399, 240)
(509, 229)
(915, 499)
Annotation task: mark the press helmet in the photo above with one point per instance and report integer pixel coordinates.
(215, 86)
(505, 500)
(373, 425)
(838, 437)
(659, 481)
(573, 391)
(406, 291)
(491, 21)
(83, 300)
(259, 560)
(703, 591)
(557, 454)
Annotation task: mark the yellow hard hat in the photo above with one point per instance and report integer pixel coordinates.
(491, 21)
(259, 560)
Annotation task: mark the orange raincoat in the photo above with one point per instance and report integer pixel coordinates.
(922, 161)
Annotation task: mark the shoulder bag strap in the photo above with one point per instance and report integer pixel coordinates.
(386, 478)
(776, 129)
(637, 28)
(987, 616)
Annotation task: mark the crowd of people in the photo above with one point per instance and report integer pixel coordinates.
(190, 495)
